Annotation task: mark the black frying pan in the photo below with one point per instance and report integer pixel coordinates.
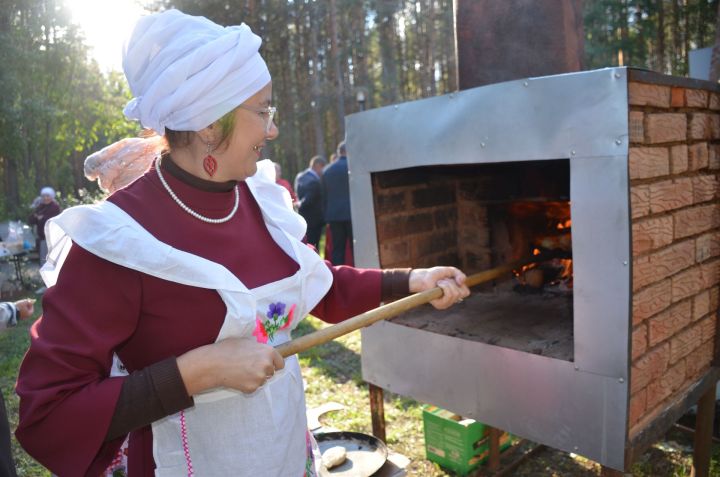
(365, 454)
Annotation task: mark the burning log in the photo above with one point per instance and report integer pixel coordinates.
(534, 277)
(555, 242)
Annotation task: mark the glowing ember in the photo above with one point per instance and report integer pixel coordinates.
(564, 225)
(548, 229)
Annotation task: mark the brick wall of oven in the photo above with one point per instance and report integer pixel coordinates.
(425, 218)
(674, 163)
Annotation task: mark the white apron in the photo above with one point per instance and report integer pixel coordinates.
(226, 432)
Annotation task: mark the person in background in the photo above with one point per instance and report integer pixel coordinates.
(189, 276)
(333, 157)
(284, 182)
(337, 205)
(46, 209)
(308, 185)
(10, 314)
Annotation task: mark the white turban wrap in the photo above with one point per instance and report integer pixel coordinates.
(186, 72)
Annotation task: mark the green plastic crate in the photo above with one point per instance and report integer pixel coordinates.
(454, 443)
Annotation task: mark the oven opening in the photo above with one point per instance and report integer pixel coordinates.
(478, 217)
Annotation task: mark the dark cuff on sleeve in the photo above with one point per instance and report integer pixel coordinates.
(16, 315)
(170, 387)
(148, 395)
(395, 283)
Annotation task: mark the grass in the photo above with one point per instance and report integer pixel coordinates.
(13, 343)
(332, 373)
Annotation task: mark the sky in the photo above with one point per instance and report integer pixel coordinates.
(106, 24)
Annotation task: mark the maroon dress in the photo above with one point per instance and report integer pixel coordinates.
(98, 308)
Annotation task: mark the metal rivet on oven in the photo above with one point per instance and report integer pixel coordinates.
(482, 144)
(621, 380)
(452, 95)
(572, 153)
(618, 141)
(625, 262)
(617, 75)
(576, 448)
(526, 84)
(397, 107)
(577, 368)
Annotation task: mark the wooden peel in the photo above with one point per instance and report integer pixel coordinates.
(391, 310)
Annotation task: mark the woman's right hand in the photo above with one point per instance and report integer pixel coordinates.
(237, 363)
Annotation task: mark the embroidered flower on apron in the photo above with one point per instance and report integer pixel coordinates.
(265, 329)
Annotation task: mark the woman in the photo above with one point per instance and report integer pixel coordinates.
(42, 212)
(189, 275)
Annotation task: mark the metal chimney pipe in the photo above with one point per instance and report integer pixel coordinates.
(510, 39)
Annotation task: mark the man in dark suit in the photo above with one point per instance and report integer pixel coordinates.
(337, 204)
(308, 188)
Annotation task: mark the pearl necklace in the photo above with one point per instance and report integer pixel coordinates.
(188, 209)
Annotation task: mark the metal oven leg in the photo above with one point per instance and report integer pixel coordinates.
(608, 472)
(494, 458)
(18, 271)
(377, 411)
(703, 434)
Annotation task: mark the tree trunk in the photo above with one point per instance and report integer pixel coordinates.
(11, 184)
(360, 52)
(686, 38)
(250, 8)
(624, 42)
(430, 58)
(78, 173)
(702, 24)
(340, 88)
(677, 38)
(283, 51)
(417, 51)
(715, 59)
(45, 177)
(316, 86)
(301, 87)
(660, 57)
(640, 41)
(401, 57)
(452, 56)
(386, 34)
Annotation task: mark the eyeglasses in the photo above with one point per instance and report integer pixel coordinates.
(270, 111)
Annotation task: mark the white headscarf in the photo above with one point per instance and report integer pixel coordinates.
(186, 72)
(48, 191)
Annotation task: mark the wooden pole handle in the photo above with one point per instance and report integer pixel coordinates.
(390, 310)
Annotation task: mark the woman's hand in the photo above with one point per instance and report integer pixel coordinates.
(450, 279)
(25, 308)
(237, 363)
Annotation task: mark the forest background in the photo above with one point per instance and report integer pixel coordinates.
(328, 58)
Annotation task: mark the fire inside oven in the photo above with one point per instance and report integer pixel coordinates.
(478, 217)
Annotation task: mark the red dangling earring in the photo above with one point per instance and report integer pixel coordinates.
(210, 163)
